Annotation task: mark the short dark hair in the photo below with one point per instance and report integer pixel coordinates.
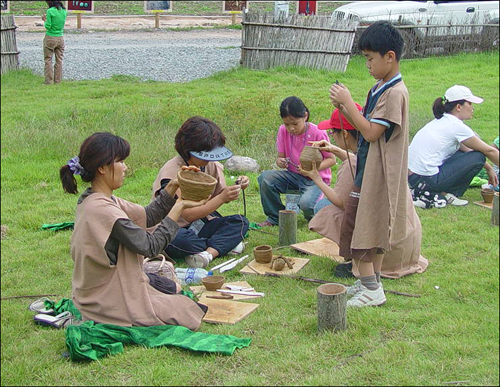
(55, 4)
(198, 134)
(353, 133)
(294, 107)
(382, 37)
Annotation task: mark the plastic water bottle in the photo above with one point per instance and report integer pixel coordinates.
(191, 275)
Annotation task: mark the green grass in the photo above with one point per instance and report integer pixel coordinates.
(449, 334)
(197, 8)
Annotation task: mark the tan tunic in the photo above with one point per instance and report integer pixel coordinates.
(119, 294)
(381, 219)
(404, 257)
(170, 169)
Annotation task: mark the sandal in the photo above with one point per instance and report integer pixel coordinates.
(60, 321)
(39, 306)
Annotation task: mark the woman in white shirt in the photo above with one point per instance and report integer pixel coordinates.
(446, 154)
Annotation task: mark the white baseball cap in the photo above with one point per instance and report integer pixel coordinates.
(459, 92)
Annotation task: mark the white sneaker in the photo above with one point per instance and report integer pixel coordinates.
(419, 203)
(454, 201)
(367, 297)
(357, 287)
(201, 259)
(238, 249)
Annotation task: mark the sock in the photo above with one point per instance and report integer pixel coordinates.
(377, 274)
(370, 282)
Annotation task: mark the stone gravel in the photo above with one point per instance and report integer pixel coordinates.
(165, 55)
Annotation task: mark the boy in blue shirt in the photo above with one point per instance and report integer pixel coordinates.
(376, 211)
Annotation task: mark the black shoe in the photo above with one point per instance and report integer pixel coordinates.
(343, 270)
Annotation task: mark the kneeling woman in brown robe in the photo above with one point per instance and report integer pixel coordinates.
(110, 241)
(404, 257)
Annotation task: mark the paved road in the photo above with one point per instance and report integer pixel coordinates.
(163, 55)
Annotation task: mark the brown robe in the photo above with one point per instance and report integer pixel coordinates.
(119, 294)
(172, 166)
(402, 259)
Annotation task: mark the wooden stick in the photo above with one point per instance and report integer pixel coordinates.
(222, 297)
(30, 296)
(251, 268)
(329, 282)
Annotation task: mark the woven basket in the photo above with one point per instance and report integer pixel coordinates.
(310, 155)
(195, 186)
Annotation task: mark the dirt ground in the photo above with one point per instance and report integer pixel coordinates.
(91, 22)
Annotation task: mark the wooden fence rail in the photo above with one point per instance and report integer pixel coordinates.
(299, 40)
(9, 52)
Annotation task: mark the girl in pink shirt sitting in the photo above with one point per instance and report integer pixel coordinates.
(295, 133)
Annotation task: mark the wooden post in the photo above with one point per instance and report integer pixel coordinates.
(287, 227)
(157, 20)
(494, 210)
(332, 305)
(79, 21)
(233, 18)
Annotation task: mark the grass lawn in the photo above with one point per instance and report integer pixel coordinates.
(450, 334)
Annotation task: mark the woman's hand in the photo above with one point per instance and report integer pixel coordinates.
(191, 203)
(243, 181)
(44, 17)
(172, 187)
(492, 177)
(193, 168)
(323, 145)
(230, 193)
(312, 174)
(282, 162)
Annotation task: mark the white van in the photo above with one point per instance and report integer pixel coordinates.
(414, 13)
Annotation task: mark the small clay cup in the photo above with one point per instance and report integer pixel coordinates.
(263, 253)
(213, 282)
(195, 186)
(309, 156)
(487, 195)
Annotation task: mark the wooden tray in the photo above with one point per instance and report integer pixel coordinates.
(204, 292)
(485, 205)
(227, 311)
(262, 268)
(322, 247)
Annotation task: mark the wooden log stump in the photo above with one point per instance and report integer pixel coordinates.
(494, 210)
(332, 305)
(287, 227)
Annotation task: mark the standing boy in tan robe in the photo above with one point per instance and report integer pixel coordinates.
(375, 213)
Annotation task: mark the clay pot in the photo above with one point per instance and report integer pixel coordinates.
(213, 282)
(263, 253)
(487, 195)
(309, 156)
(195, 186)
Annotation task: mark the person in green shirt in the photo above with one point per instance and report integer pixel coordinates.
(53, 43)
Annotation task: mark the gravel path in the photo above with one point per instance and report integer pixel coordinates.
(172, 56)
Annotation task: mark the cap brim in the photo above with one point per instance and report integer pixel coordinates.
(325, 125)
(475, 99)
(216, 154)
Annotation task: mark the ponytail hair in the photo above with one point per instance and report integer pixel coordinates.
(294, 107)
(442, 106)
(102, 148)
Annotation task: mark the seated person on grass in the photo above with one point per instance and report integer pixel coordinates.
(110, 241)
(204, 233)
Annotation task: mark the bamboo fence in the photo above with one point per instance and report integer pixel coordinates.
(316, 42)
(9, 53)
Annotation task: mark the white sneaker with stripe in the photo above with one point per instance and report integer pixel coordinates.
(367, 297)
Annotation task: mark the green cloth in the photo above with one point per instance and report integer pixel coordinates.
(477, 181)
(495, 141)
(91, 341)
(58, 226)
(54, 24)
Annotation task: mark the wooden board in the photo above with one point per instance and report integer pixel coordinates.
(227, 311)
(204, 292)
(485, 205)
(322, 247)
(262, 268)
